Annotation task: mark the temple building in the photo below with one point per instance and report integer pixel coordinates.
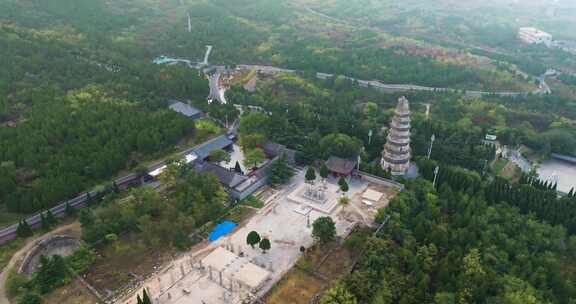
(397, 152)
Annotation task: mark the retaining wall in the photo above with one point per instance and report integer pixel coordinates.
(55, 245)
(381, 181)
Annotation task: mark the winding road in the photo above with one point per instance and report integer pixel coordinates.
(543, 89)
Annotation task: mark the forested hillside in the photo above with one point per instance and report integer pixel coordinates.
(80, 99)
(450, 246)
(78, 103)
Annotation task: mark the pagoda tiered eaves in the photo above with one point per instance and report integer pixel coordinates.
(397, 152)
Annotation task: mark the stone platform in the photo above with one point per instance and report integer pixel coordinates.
(324, 205)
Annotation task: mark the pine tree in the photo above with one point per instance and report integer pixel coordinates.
(24, 229)
(70, 211)
(343, 185)
(324, 171)
(52, 221)
(237, 168)
(265, 245)
(44, 221)
(145, 298)
(253, 238)
(310, 175)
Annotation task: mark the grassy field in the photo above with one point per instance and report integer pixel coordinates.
(7, 251)
(296, 287)
(72, 293)
(239, 213)
(316, 270)
(128, 260)
(511, 172)
(8, 218)
(253, 202)
(499, 165)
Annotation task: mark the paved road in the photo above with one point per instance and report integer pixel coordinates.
(393, 87)
(216, 91)
(516, 157)
(543, 87)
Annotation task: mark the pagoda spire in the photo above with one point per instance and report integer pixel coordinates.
(397, 152)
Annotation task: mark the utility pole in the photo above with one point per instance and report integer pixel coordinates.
(436, 170)
(432, 139)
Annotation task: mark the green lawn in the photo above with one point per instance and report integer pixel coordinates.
(8, 249)
(238, 214)
(253, 202)
(499, 166)
(8, 218)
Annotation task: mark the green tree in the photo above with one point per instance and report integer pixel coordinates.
(15, 283)
(343, 185)
(370, 109)
(344, 201)
(70, 211)
(45, 224)
(50, 274)
(324, 171)
(254, 123)
(253, 238)
(146, 298)
(338, 295)
(251, 141)
(50, 219)
(279, 172)
(81, 260)
(172, 172)
(254, 157)
(30, 298)
(310, 175)
(265, 245)
(238, 168)
(444, 298)
(340, 145)
(217, 156)
(24, 230)
(324, 229)
(3, 107)
(518, 297)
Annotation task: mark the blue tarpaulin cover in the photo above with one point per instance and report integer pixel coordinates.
(221, 229)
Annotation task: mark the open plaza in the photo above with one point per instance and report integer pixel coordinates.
(229, 271)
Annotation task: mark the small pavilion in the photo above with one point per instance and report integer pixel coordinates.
(340, 166)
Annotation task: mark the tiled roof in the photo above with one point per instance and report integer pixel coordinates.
(184, 109)
(340, 165)
(227, 177)
(214, 144)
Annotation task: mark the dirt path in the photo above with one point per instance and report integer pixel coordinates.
(72, 229)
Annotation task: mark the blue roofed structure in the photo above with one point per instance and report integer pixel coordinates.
(185, 109)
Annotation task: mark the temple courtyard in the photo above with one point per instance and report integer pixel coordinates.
(228, 271)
